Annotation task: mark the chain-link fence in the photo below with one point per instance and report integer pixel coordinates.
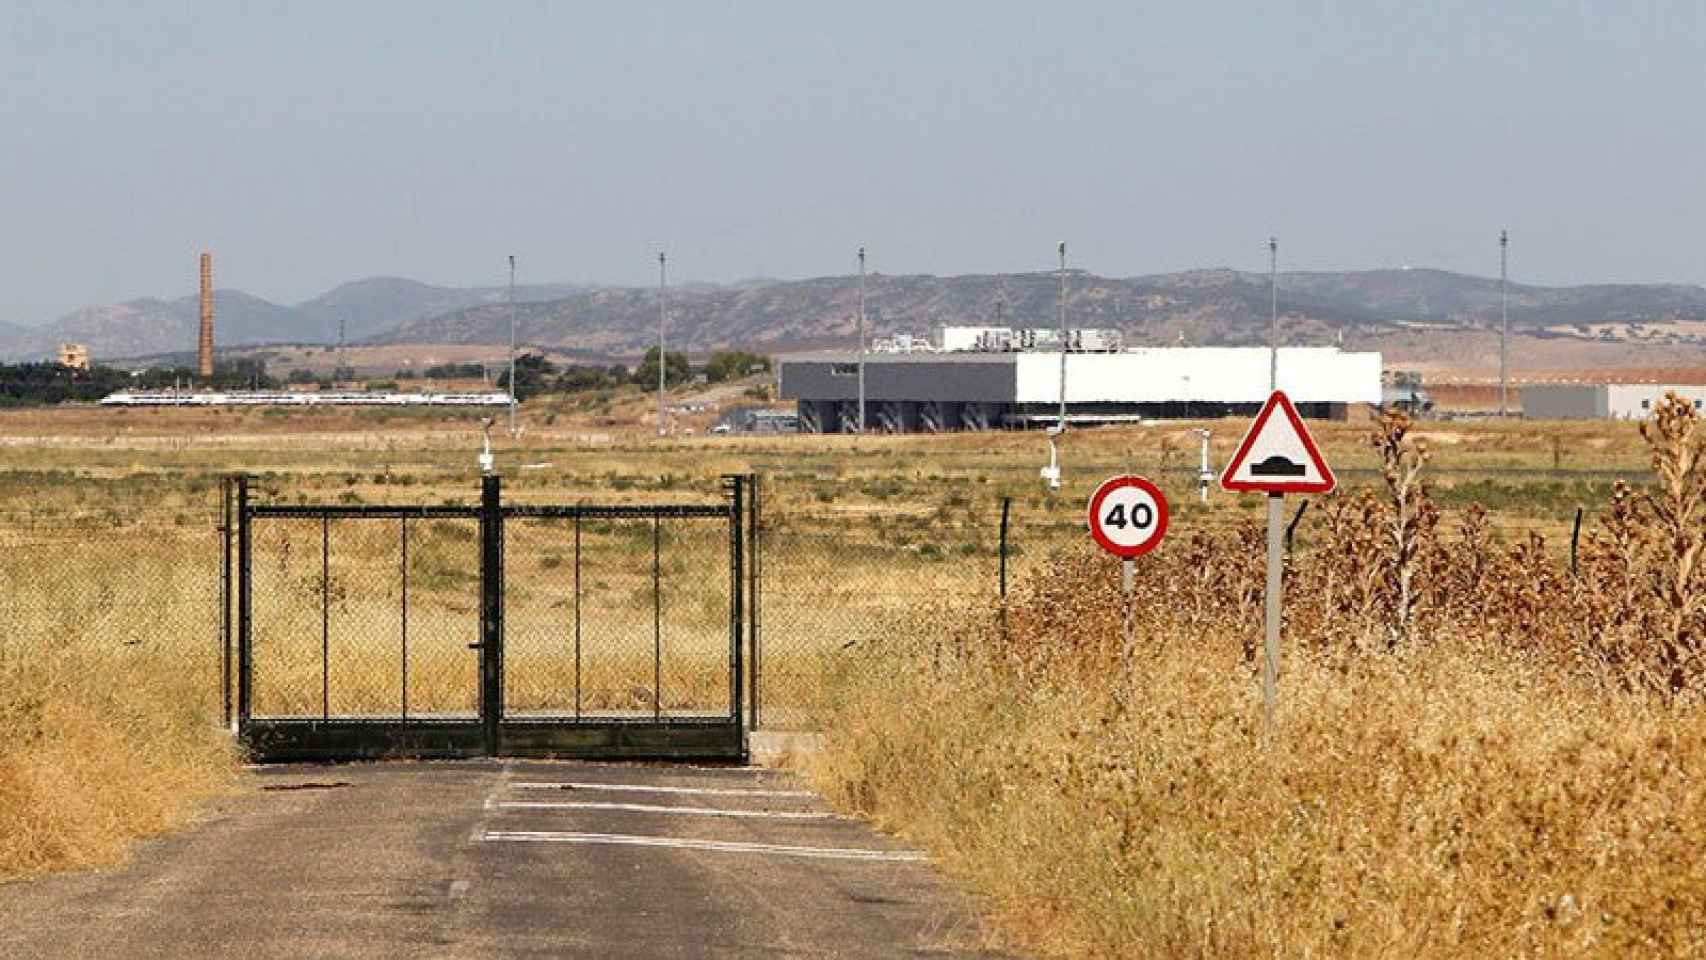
(132, 593)
(374, 615)
(835, 578)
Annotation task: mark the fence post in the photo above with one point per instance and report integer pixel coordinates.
(245, 658)
(755, 574)
(1575, 537)
(1291, 528)
(737, 486)
(225, 537)
(491, 610)
(1006, 505)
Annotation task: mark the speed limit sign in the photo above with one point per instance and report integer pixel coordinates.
(1128, 516)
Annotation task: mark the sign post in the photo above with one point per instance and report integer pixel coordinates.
(1277, 457)
(1128, 518)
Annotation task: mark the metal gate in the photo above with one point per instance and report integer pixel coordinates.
(497, 630)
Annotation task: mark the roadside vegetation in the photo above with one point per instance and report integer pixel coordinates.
(109, 701)
(1480, 750)
(880, 588)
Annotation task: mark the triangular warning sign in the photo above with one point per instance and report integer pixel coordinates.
(1278, 455)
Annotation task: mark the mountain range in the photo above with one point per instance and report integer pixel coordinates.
(1203, 307)
(148, 327)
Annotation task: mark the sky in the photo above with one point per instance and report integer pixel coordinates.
(307, 143)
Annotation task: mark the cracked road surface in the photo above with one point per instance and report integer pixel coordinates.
(502, 859)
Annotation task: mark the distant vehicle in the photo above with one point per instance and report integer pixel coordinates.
(720, 428)
(1402, 390)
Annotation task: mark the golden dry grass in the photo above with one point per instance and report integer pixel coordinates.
(1477, 753)
(1455, 805)
(99, 747)
(109, 558)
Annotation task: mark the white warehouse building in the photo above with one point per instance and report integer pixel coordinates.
(1602, 401)
(977, 390)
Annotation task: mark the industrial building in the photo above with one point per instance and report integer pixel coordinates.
(978, 387)
(1602, 401)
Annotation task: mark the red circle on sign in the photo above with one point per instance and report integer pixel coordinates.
(1098, 531)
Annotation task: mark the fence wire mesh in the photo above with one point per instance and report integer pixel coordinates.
(373, 616)
(360, 618)
(617, 617)
(130, 594)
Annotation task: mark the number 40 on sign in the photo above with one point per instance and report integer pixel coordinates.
(1128, 518)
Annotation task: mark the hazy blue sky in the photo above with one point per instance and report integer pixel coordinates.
(308, 144)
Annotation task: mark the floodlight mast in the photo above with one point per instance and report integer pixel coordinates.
(1504, 327)
(1051, 473)
(1273, 314)
(512, 346)
(663, 312)
(861, 339)
(1060, 425)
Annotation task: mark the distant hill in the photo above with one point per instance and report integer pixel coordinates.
(1223, 307)
(141, 326)
(374, 305)
(1436, 295)
(1202, 307)
(150, 327)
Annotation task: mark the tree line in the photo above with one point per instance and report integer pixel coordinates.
(535, 375)
(28, 384)
(25, 384)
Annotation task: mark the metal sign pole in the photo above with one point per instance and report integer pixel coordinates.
(1128, 649)
(1271, 644)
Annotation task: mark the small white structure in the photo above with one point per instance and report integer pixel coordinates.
(1010, 340)
(958, 339)
(1603, 401)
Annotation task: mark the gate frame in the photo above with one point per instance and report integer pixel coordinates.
(490, 733)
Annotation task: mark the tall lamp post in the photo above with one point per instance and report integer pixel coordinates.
(663, 312)
(1060, 425)
(1051, 473)
(1273, 314)
(1504, 328)
(861, 339)
(512, 345)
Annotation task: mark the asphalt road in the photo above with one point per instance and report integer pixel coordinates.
(502, 859)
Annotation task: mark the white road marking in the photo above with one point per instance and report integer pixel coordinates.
(641, 788)
(656, 808)
(498, 788)
(719, 846)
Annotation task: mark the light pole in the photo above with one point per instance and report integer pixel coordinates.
(663, 312)
(1504, 328)
(1060, 425)
(861, 339)
(1051, 473)
(512, 346)
(1273, 314)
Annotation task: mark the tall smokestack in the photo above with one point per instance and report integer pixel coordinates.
(206, 316)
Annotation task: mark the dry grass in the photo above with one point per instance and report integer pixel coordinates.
(108, 571)
(98, 750)
(1478, 753)
(1455, 805)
